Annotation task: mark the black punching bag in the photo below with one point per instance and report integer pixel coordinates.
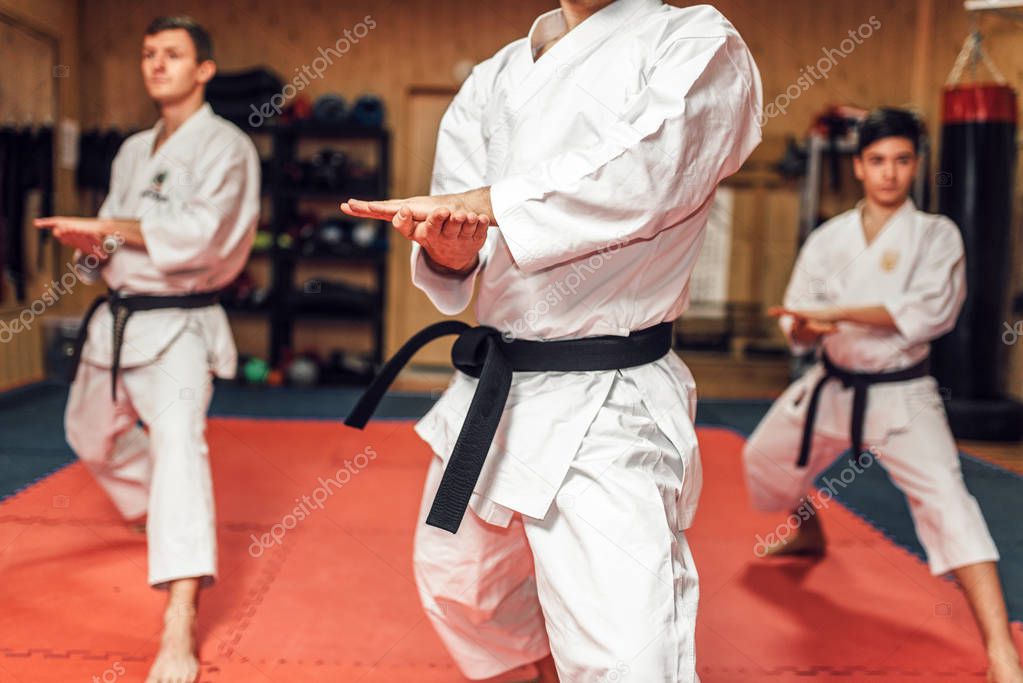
(975, 185)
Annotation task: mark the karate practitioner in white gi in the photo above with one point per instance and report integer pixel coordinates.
(870, 289)
(595, 145)
(184, 204)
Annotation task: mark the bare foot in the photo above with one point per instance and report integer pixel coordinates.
(176, 662)
(522, 674)
(1004, 666)
(808, 541)
(138, 525)
(541, 671)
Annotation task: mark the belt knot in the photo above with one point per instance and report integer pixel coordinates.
(472, 347)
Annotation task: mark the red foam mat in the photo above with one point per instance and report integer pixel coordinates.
(335, 599)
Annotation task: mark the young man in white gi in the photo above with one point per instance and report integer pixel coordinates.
(871, 288)
(184, 203)
(595, 145)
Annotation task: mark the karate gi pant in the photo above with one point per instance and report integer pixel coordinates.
(922, 461)
(605, 581)
(162, 470)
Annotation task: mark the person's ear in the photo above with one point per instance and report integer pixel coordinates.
(858, 167)
(207, 70)
(915, 164)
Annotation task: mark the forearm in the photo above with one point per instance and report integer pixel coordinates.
(129, 229)
(444, 270)
(875, 316)
(478, 201)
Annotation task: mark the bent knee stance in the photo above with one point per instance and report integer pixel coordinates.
(951, 526)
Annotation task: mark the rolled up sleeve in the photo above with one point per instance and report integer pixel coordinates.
(451, 294)
(930, 304)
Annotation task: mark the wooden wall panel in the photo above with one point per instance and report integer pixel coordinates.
(27, 95)
(35, 37)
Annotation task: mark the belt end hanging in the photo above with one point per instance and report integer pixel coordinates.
(364, 408)
(356, 421)
(448, 520)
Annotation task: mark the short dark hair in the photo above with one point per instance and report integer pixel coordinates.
(200, 36)
(887, 122)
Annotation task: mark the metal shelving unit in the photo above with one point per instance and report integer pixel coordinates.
(287, 303)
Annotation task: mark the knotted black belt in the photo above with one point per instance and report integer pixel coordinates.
(860, 383)
(121, 308)
(482, 352)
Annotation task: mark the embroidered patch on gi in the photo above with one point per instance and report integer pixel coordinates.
(889, 260)
(153, 191)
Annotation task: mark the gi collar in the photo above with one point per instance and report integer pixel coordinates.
(203, 113)
(908, 207)
(551, 24)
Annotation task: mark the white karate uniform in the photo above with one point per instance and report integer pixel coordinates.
(915, 268)
(197, 200)
(602, 157)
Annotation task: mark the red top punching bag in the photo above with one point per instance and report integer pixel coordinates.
(975, 186)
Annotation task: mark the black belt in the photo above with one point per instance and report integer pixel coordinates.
(482, 352)
(121, 307)
(860, 382)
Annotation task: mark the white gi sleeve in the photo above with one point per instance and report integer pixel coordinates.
(459, 164)
(449, 293)
(120, 174)
(694, 122)
(204, 228)
(930, 304)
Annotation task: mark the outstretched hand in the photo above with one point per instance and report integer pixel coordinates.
(84, 234)
(450, 231)
(807, 326)
(419, 207)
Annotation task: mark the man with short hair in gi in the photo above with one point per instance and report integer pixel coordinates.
(183, 204)
(870, 289)
(593, 147)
